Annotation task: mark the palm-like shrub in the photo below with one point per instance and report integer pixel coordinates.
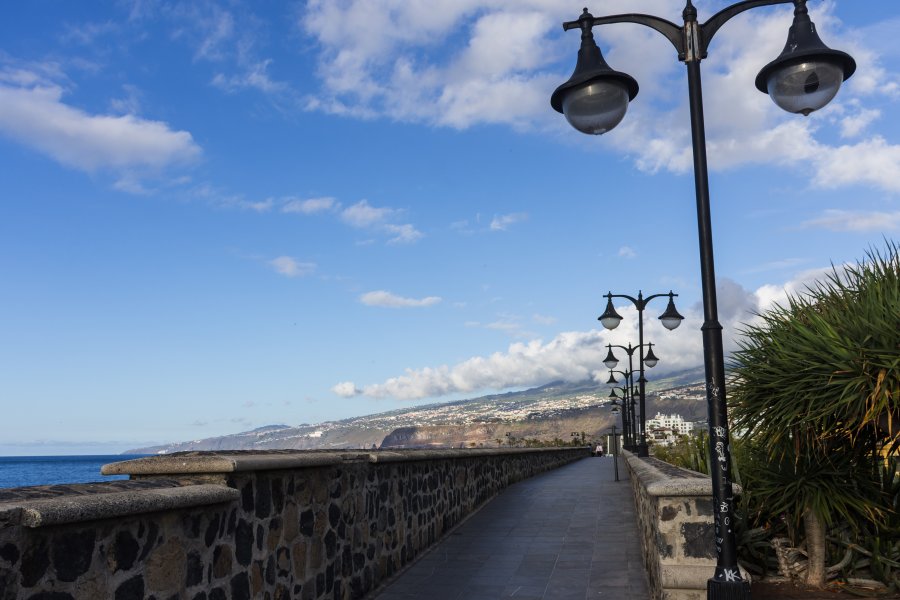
(815, 392)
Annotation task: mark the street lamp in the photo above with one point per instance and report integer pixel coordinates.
(611, 319)
(803, 79)
(626, 418)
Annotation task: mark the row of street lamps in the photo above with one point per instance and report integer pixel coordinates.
(610, 319)
(803, 78)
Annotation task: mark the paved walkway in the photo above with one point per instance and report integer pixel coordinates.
(567, 534)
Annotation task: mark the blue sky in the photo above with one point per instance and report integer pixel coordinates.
(221, 215)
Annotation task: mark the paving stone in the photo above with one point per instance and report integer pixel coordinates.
(567, 534)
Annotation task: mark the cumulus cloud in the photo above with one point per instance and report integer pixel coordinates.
(578, 355)
(388, 300)
(512, 54)
(362, 214)
(627, 252)
(570, 356)
(769, 295)
(346, 389)
(32, 112)
(291, 267)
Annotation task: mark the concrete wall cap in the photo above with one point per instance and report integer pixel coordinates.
(233, 462)
(219, 463)
(75, 509)
(386, 456)
(674, 482)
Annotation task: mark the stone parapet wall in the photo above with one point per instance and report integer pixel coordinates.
(674, 508)
(240, 525)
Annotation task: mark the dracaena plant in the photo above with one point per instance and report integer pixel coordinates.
(816, 395)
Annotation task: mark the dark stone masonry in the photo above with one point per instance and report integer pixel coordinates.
(674, 512)
(239, 525)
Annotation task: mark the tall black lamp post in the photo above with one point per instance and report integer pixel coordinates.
(626, 402)
(803, 79)
(611, 319)
(618, 407)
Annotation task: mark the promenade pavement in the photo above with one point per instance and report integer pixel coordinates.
(567, 534)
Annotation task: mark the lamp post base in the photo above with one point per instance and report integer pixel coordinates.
(716, 589)
(643, 450)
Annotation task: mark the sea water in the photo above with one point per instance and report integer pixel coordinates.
(20, 471)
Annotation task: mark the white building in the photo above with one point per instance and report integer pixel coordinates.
(676, 423)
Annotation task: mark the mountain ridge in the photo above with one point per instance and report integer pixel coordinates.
(549, 411)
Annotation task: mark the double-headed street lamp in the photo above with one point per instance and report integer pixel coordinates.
(611, 319)
(803, 79)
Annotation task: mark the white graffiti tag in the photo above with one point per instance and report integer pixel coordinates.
(719, 431)
(720, 451)
(731, 575)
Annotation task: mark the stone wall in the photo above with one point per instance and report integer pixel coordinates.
(674, 508)
(238, 525)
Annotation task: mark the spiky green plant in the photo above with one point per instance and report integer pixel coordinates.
(815, 392)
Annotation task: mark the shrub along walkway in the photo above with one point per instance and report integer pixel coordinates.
(566, 534)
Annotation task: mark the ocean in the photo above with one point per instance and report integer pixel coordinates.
(20, 471)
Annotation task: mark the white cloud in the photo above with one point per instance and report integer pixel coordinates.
(627, 252)
(769, 295)
(32, 112)
(403, 234)
(512, 54)
(572, 356)
(362, 214)
(855, 124)
(220, 199)
(578, 355)
(502, 222)
(290, 267)
(857, 221)
(387, 299)
(346, 389)
(310, 206)
(874, 161)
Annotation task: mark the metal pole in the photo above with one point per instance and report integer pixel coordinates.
(642, 447)
(727, 583)
(615, 452)
(626, 416)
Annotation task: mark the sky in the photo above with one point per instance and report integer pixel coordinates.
(219, 215)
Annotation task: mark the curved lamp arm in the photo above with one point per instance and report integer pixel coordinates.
(673, 32)
(712, 25)
(667, 28)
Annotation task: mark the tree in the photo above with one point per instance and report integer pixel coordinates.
(815, 392)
